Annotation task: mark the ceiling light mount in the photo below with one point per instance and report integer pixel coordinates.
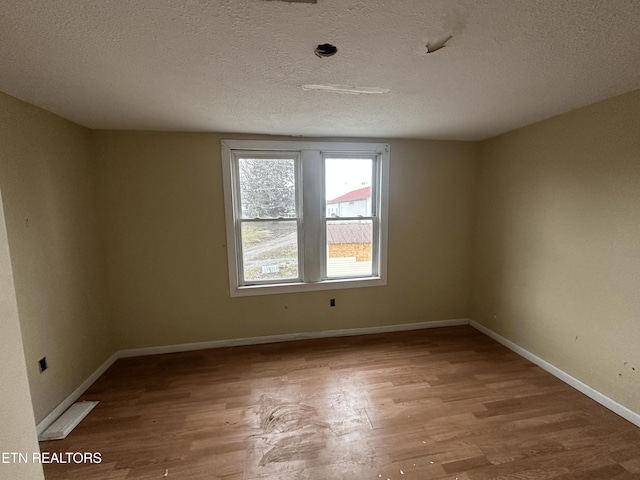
(325, 50)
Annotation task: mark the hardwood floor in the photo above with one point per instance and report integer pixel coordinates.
(447, 403)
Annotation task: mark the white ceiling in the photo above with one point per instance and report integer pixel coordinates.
(238, 65)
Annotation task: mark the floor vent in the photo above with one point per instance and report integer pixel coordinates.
(67, 421)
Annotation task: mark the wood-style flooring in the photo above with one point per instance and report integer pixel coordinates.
(446, 403)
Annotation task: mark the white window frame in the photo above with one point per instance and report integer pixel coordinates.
(312, 216)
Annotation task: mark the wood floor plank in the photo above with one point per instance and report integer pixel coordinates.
(439, 404)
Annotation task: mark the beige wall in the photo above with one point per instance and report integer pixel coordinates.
(557, 245)
(18, 432)
(162, 203)
(48, 182)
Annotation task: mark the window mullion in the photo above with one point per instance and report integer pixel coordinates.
(312, 175)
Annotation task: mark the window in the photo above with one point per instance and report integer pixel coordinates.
(305, 216)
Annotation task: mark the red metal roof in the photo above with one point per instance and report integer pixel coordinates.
(353, 195)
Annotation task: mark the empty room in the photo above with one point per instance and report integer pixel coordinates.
(320, 239)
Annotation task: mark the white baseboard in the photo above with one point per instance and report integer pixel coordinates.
(349, 332)
(70, 400)
(624, 412)
(603, 400)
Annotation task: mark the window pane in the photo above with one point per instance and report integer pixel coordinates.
(267, 187)
(270, 250)
(349, 248)
(348, 187)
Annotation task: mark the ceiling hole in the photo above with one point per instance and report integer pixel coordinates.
(326, 50)
(437, 43)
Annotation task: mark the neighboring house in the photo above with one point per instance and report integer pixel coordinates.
(351, 204)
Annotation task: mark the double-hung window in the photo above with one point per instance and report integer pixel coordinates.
(305, 216)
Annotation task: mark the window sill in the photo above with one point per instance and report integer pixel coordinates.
(275, 289)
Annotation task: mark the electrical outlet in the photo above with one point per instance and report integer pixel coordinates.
(332, 302)
(42, 363)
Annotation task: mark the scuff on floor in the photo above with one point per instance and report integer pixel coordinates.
(305, 434)
(294, 439)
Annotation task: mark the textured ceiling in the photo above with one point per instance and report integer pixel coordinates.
(239, 65)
